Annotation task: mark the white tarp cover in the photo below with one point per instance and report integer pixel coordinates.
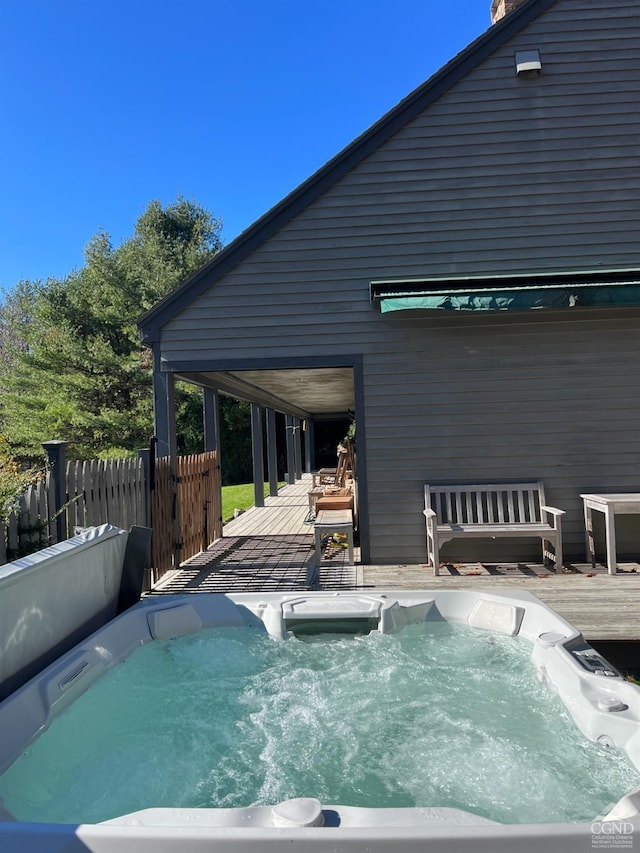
(47, 596)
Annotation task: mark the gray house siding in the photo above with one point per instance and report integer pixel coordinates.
(499, 175)
(497, 401)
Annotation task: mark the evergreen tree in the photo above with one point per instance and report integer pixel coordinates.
(235, 439)
(72, 366)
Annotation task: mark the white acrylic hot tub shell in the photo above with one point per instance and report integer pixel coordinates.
(589, 697)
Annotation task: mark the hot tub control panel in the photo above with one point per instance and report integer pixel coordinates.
(593, 662)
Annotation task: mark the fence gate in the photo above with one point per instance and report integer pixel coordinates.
(186, 513)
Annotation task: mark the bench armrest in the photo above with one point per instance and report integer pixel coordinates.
(428, 513)
(553, 510)
(557, 515)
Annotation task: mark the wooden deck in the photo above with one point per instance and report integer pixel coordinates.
(271, 548)
(282, 514)
(266, 548)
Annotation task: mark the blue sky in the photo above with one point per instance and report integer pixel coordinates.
(108, 105)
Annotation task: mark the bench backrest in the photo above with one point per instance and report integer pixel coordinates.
(496, 503)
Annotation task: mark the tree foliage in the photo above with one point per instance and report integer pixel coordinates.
(14, 479)
(235, 439)
(72, 366)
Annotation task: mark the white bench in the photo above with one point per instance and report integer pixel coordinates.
(491, 511)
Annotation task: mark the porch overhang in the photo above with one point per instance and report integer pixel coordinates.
(309, 389)
(520, 292)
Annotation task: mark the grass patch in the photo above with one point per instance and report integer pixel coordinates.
(239, 497)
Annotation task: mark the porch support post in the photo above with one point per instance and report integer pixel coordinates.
(164, 408)
(291, 461)
(211, 424)
(309, 447)
(258, 456)
(298, 447)
(211, 419)
(272, 452)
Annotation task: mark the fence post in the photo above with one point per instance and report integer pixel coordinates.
(145, 455)
(57, 454)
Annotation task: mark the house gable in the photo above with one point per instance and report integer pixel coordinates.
(498, 175)
(414, 104)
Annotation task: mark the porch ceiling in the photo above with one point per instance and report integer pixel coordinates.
(305, 392)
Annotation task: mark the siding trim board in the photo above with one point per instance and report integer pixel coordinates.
(409, 108)
(277, 363)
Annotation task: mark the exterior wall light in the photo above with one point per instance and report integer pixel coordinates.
(528, 63)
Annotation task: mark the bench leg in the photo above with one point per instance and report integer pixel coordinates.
(558, 544)
(557, 551)
(433, 556)
(433, 552)
(546, 545)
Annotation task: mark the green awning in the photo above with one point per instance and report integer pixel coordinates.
(523, 298)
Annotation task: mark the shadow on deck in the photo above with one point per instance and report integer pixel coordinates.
(283, 563)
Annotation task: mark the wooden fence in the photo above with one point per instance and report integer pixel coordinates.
(29, 527)
(180, 501)
(186, 509)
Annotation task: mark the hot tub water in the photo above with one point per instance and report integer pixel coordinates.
(435, 715)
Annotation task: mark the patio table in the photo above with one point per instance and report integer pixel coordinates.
(621, 503)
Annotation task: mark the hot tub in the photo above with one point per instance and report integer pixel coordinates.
(604, 707)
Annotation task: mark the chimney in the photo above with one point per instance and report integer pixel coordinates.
(500, 8)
